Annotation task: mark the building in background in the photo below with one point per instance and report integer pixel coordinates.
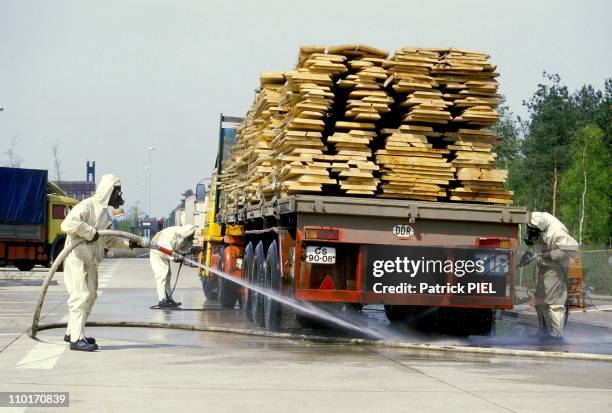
(190, 210)
(80, 190)
(146, 227)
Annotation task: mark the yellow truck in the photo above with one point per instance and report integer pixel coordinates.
(31, 212)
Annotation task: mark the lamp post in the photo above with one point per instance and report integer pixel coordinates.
(144, 190)
(150, 149)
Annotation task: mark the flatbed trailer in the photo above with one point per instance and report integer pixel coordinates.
(331, 249)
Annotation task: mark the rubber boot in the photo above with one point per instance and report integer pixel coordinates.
(82, 345)
(90, 340)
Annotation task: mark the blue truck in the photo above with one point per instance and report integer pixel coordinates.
(31, 212)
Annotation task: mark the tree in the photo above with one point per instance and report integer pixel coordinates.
(546, 145)
(508, 132)
(131, 219)
(586, 187)
(12, 158)
(57, 162)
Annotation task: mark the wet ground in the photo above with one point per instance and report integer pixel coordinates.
(171, 370)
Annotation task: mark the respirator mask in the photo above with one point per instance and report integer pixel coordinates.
(115, 199)
(531, 235)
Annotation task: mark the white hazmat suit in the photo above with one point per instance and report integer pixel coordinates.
(555, 247)
(81, 265)
(175, 239)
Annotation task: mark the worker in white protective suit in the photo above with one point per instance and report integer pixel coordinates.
(553, 247)
(179, 239)
(81, 265)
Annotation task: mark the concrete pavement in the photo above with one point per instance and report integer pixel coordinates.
(168, 370)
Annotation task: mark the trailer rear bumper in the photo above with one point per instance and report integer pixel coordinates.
(428, 300)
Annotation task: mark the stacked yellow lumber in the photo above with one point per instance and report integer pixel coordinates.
(475, 163)
(411, 77)
(307, 98)
(267, 117)
(366, 100)
(412, 167)
(251, 160)
(423, 110)
(468, 79)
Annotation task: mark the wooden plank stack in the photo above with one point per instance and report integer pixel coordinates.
(423, 111)
(355, 129)
(300, 165)
(468, 80)
(412, 166)
(251, 160)
(475, 163)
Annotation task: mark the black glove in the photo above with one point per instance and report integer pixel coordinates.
(95, 237)
(178, 258)
(526, 259)
(134, 244)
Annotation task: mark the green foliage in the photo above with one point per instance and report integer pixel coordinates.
(507, 130)
(590, 163)
(133, 215)
(562, 127)
(549, 133)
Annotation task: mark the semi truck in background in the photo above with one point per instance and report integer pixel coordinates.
(354, 251)
(31, 212)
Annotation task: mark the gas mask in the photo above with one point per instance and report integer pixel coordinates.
(531, 235)
(188, 242)
(115, 199)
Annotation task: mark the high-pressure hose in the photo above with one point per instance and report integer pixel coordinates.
(145, 242)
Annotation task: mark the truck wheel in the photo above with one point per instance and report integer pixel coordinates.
(353, 307)
(272, 308)
(24, 265)
(57, 250)
(396, 312)
(482, 321)
(257, 310)
(228, 290)
(247, 271)
(210, 286)
(465, 321)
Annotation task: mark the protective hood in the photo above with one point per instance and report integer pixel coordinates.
(554, 233)
(105, 189)
(185, 231)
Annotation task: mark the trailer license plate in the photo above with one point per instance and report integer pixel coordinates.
(320, 255)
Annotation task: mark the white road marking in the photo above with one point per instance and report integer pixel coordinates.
(43, 356)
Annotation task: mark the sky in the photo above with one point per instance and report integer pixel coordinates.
(105, 80)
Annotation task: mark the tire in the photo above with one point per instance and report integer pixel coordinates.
(396, 312)
(272, 308)
(24, 265)
(466, 322)
(57, 250)
(354, 307)
(210, 285)
(257, 310)
(228, 290)
(247, 271)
